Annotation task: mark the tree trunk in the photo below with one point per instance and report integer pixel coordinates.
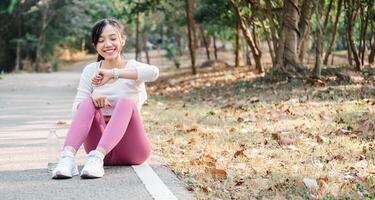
(361, 29)
(162, 35)
(304, 21)
(287, 61)
(137, 39)
(145, 47)
(332, 58)
(205, 42)
(370, 5)
(272, 27)
(248, 56)
(82, 44)
(215, 47)
(326, 16)
(237, 48)
(350, 57)
(319, 41)
(350, 17)
(177, 39)
(334, 30)
(371, 56)
(18, 49)
(258, 57)
(304, 46)
(191, 33)
(147, 56)
(249, 38)
(272, 53)
(41, 38)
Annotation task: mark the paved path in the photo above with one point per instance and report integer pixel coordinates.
(30, 105)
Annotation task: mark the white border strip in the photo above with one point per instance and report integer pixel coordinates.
(153, 183)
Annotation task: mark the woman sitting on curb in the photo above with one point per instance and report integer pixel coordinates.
(107, 108)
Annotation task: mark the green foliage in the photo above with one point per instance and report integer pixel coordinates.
(216, 17)
(162, 22)
(6, 6)
(171, 53)
(66, 24)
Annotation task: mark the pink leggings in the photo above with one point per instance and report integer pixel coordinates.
(123, 138)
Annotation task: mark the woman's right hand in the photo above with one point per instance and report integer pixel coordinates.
(100, 101)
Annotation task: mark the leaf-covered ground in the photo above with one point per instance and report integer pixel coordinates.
(231, 134)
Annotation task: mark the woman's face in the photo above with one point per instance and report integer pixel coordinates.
(110, 43)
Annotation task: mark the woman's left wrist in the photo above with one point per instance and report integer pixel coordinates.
(115, 73)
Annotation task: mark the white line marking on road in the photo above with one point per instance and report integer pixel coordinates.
(152, 182)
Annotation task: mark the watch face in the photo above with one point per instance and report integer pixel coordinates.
(116, 73)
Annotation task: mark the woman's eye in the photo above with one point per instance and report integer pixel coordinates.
(113, 39)
(100, 41)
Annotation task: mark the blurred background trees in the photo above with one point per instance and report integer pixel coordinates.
(288, 38)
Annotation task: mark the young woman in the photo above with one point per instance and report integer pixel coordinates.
(106, 108)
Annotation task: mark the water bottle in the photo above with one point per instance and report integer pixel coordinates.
(53, 149)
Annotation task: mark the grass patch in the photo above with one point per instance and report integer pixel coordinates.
(234, 135)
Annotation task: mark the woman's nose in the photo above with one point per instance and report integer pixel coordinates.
(107, 43)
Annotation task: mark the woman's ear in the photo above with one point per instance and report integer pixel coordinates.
(123, 40)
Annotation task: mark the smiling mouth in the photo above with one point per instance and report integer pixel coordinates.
(109, 51)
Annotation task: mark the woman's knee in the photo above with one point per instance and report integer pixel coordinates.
(125, 102)
(141, 157)
(88, 101)
(135, 158)
(138, 161)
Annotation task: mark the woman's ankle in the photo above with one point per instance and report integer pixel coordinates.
(101, 150)
(71, 149)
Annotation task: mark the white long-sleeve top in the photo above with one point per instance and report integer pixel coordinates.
(132, 89)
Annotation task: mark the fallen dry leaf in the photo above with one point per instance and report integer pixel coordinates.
(170, 141)
(179, 127)
(232, 130)
(338, 157)
(192, 129)
(367, 125)
(322, 181)
(240, 119)
(192, 141)
(276, 136)
(60, 122)
(208, 158)
(206, 189)
(254, 100)
(196, 162)
(239, 182)
(287, 141)
(319, 83)
(210, 164)
(324, 117)
(239, 153)
(281, 140)
(219, 174)
(264, 141)
(320, 139)
(289, 112)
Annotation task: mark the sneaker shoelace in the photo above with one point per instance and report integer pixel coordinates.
(93, 159)
(64, 160)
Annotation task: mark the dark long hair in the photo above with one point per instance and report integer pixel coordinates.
(97, 30)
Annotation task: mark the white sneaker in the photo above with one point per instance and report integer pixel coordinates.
(94, 165)
(66, 167)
